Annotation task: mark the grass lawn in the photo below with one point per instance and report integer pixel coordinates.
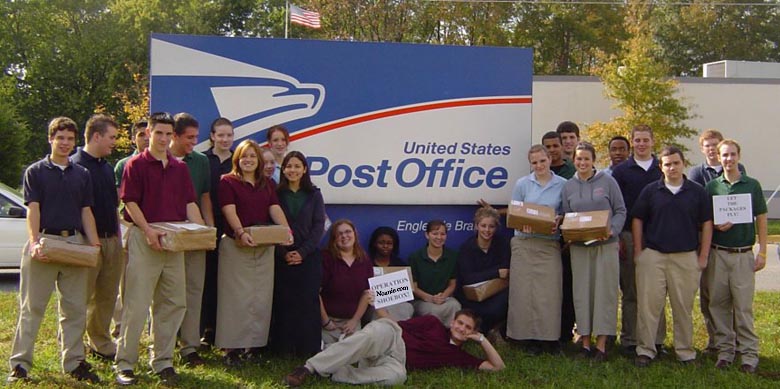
(522, 370)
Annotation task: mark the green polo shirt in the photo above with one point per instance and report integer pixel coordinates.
(433, 277)
(566, 170)
(120, 168)
(200, 172)
(739, 235)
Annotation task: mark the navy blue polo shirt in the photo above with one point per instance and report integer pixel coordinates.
(61, 193)
(631, 179)
(671, 221)
(103, 191)
(218, 168)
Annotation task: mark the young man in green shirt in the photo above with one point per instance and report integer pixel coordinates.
(184, 140)
(732, 265)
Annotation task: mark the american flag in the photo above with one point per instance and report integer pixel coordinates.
(303, 17)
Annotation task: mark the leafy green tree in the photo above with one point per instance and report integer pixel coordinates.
(567, 38)
(14, 135)
(702, 32)
(639, 85)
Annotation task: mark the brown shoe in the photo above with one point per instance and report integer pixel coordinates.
(747, 369)
(722, 364)
(642, 361)
(297, 377)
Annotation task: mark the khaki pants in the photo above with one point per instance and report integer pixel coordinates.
(378, 350)
(330, 337)
(595, 279)
(444, 312)
(195, 273)
(732, 282)
(628, 300)
(156, 279)
(656, 275)
(102, 289)
(36, 282)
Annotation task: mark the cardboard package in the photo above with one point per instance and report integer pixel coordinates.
(585, 226)
(186, 236)
(540, 218)
(70, 253)
(379, 270)
(271, 234)
(484, 290)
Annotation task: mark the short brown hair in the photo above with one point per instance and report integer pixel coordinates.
(183, 121)
(730, 142)
(671, 150)
(62, 123)
(642, 128)
(98, 124)
(709, 134)
(470, 314)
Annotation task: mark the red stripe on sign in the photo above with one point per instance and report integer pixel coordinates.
(408, 110)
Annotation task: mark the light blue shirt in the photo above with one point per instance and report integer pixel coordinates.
(528, 189)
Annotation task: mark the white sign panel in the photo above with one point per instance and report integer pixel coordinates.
(735, 208)
(391, 289)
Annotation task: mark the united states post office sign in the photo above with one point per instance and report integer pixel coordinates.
(381, 123)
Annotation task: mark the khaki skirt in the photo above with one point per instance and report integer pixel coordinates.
(245, 289)
(535, 290)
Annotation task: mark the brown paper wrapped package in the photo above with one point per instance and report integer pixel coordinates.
(70, 253)
(482, 291)
(271, 234)
(178, 238)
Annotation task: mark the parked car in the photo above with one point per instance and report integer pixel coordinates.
(13, 226)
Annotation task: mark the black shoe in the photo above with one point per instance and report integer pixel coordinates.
(17, 374)
(690, 363)
(168, 376)
(232, 358)
(585, 353)
(722, 364)
(628, 351)
(297, 377)
(661, 351)
(642, 361)
(599, 356)
(192, 360)
(207, 340)
(747, 369)
(83, 372)
(101, 356)
(125, 377)
(253, 355)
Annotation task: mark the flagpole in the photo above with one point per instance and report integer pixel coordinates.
(286, 17)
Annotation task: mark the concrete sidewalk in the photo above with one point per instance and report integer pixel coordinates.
(769, 278)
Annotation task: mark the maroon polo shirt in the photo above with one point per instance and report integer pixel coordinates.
(162, 193)
(343, 285)
(252, 201)
(428, 346)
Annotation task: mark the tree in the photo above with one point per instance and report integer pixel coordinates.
(13, 137)
(567, 37)
(702, 32)
(638, 83)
